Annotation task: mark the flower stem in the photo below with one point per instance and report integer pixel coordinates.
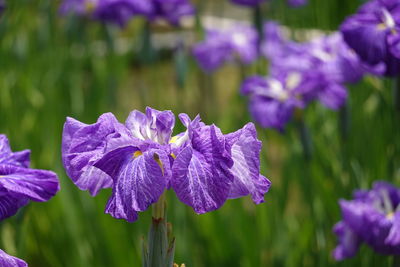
(159, 252)
(158, 210)
(396, 93)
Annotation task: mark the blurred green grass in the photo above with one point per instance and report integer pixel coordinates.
(49, 69)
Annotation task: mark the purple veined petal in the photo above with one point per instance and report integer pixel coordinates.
(119, 149)
(200, 172)
(138, 184)
(245, 150)
(37, 185)
(83, 145)
(21, 158)
(10, 261)
(10, 204)
(349, 242)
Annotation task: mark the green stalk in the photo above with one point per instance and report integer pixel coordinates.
(159, 252)
(396, 93)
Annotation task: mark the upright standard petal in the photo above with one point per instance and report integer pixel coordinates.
(10, 261)
(200, 172)
(155, 125)
(245, 150)
(82, 146)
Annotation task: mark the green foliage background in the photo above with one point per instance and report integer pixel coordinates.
(52, 67)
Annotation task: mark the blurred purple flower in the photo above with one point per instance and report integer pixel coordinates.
(221, 46)
(327, 62)
(297, 3)
(19, 183)
(372, 217)
(172, 10)
(10, 261)
(139, 160)
(373, 33)
(250, 3)
(114, 11)
(121, 11)
(273, 99)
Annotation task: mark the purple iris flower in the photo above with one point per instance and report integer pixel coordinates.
(336, 65)
(221, 46)
(10, 261)
(250, 3)
(274, 99)
(140, 160)
(372, 217)
(114, 11)
(327, 62)
(373, 33)
(172, 10)
(19, 183)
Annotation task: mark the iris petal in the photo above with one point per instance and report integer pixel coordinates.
(83, 145)
(245, 149)
(200, 172)
(138, 184)
(37, 185)
(10, 261)
(10, 204)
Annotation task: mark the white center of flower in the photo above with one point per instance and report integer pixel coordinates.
(323, 55)
(239, 39)
(293, 80)
(277, 91)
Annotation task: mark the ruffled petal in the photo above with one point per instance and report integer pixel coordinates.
(37, 185)
(83, 145)
(155, 125)
(200, 172)
(138, 184)
(10, 261)
(245, 150)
